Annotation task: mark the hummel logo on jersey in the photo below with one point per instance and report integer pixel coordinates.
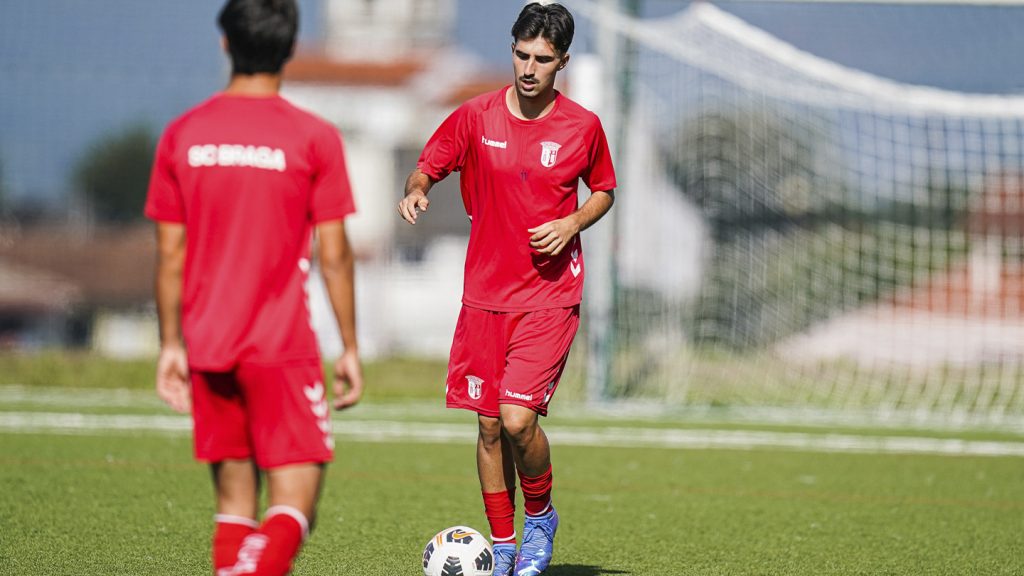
(494, 143)
(518, 396)
(575, 267)
(236, 156)
(548, 153)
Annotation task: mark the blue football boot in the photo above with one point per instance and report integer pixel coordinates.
(538, 544)
(504, 559)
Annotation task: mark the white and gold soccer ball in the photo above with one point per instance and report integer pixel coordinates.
(458, 551)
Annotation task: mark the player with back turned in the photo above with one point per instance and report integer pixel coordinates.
(239, 184)
(522, 151)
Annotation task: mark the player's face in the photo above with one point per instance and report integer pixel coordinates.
(536, 63)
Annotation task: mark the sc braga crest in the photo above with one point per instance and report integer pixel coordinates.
(474, 386)
(549, 153)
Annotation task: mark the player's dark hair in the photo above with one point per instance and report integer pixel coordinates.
(260, 34)
(549, 21)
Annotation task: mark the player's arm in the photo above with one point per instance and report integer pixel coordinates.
(172, 383)
(337, 265)
(444, 153)
(417, 186)
(552, 237)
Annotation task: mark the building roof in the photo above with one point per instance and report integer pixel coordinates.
(999, 210)
(26, 289)
(985, 287)
(105, 267)
(317, 68)
(313, 67)
(475, 87)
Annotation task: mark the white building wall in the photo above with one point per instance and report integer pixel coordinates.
(384, 29)
(402, 308)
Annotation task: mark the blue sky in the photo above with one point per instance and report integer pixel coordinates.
(74, 70)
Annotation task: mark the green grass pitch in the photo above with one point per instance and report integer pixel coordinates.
(132, 501)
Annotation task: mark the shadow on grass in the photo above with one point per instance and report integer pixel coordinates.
(581, 570)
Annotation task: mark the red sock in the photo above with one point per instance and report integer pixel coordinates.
(501, 513)
(271, 550)
(536, 492)
(228, 533)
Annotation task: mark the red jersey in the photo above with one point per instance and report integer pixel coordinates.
(516, 175)
(249, 177)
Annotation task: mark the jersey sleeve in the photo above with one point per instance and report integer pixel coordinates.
(445, 152)
(600, 174)
(331, 194)
(164, 202)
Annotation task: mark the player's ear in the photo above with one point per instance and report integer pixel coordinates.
(224, 43)
(564, 62)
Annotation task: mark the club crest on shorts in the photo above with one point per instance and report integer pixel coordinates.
(548, 153)
(475, 387)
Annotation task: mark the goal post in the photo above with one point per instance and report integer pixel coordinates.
(794, 237)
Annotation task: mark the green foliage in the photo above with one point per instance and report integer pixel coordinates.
(393, 378)
(74, 370)
(754, 173)
(793, 244)
(756, 167)
(114, 173)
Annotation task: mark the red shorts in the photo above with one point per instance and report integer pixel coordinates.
(276, 415)
(509, 358)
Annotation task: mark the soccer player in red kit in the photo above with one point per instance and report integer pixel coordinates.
(522, 151)
(239, 184)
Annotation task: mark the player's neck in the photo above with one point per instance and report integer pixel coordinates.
(530, 108)
(254, 85)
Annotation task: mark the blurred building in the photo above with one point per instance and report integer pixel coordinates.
(35, 305)
(384, 30)
(387, 74)
(66, 286)
(971, 312)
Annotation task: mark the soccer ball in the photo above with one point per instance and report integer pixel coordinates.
(458, 551)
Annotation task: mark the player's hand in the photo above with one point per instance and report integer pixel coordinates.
(552, 237)
(348, 380)
(172, 383)
(410, 206)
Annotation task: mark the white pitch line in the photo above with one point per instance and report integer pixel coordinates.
(64, 399)
(420, 432)
(59, 397)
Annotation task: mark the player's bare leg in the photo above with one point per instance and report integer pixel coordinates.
(532, 454)
(494, 458)
(496, 467)
(296, 486)
(237, 486)
(293, 494)
(237, 483)
(530, 446)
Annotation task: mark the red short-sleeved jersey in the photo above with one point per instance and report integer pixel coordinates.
(249, 177)
(516, 175)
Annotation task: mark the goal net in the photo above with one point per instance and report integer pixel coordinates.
(797, 238)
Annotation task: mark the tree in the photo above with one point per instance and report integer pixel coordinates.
(114, 173)
(757, 176)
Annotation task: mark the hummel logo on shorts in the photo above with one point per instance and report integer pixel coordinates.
(518, 396)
